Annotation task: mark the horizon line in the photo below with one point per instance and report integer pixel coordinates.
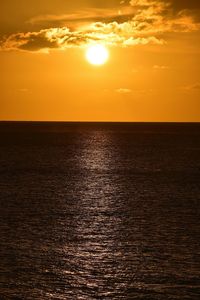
(62, 121)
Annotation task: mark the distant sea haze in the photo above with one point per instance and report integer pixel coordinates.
(100, 211)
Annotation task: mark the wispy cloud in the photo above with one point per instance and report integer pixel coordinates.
(23, 90)
(192, 87)
(84, 17)
(147, 21)
(123, 91)
(161, 67)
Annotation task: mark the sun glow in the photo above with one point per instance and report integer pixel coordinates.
(97, 55)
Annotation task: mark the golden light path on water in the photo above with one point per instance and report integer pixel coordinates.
(99, 253)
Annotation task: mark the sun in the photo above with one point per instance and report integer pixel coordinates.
(97, 54)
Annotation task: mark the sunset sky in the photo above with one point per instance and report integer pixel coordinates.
(152, 73)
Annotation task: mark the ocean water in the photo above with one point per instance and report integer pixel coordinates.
(100, 211)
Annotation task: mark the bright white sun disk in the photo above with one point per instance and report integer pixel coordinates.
(97, 54)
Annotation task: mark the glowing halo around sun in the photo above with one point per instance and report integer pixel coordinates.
(97, 54)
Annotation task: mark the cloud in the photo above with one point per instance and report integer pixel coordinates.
(52, 38)
(23, 90)
(84, 16)
(143, 41)
(147, 21)
(123, 91)
(158, 17)
(161, 67)
(196, 86)
(185, 4)
(62, 38)
(192, 87)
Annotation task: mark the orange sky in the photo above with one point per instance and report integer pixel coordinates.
(153, 73)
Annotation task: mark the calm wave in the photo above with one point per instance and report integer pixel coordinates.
(100, 211)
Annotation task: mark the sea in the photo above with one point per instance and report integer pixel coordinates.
(100, 211)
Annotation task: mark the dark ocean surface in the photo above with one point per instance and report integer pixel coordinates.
(100, 211)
